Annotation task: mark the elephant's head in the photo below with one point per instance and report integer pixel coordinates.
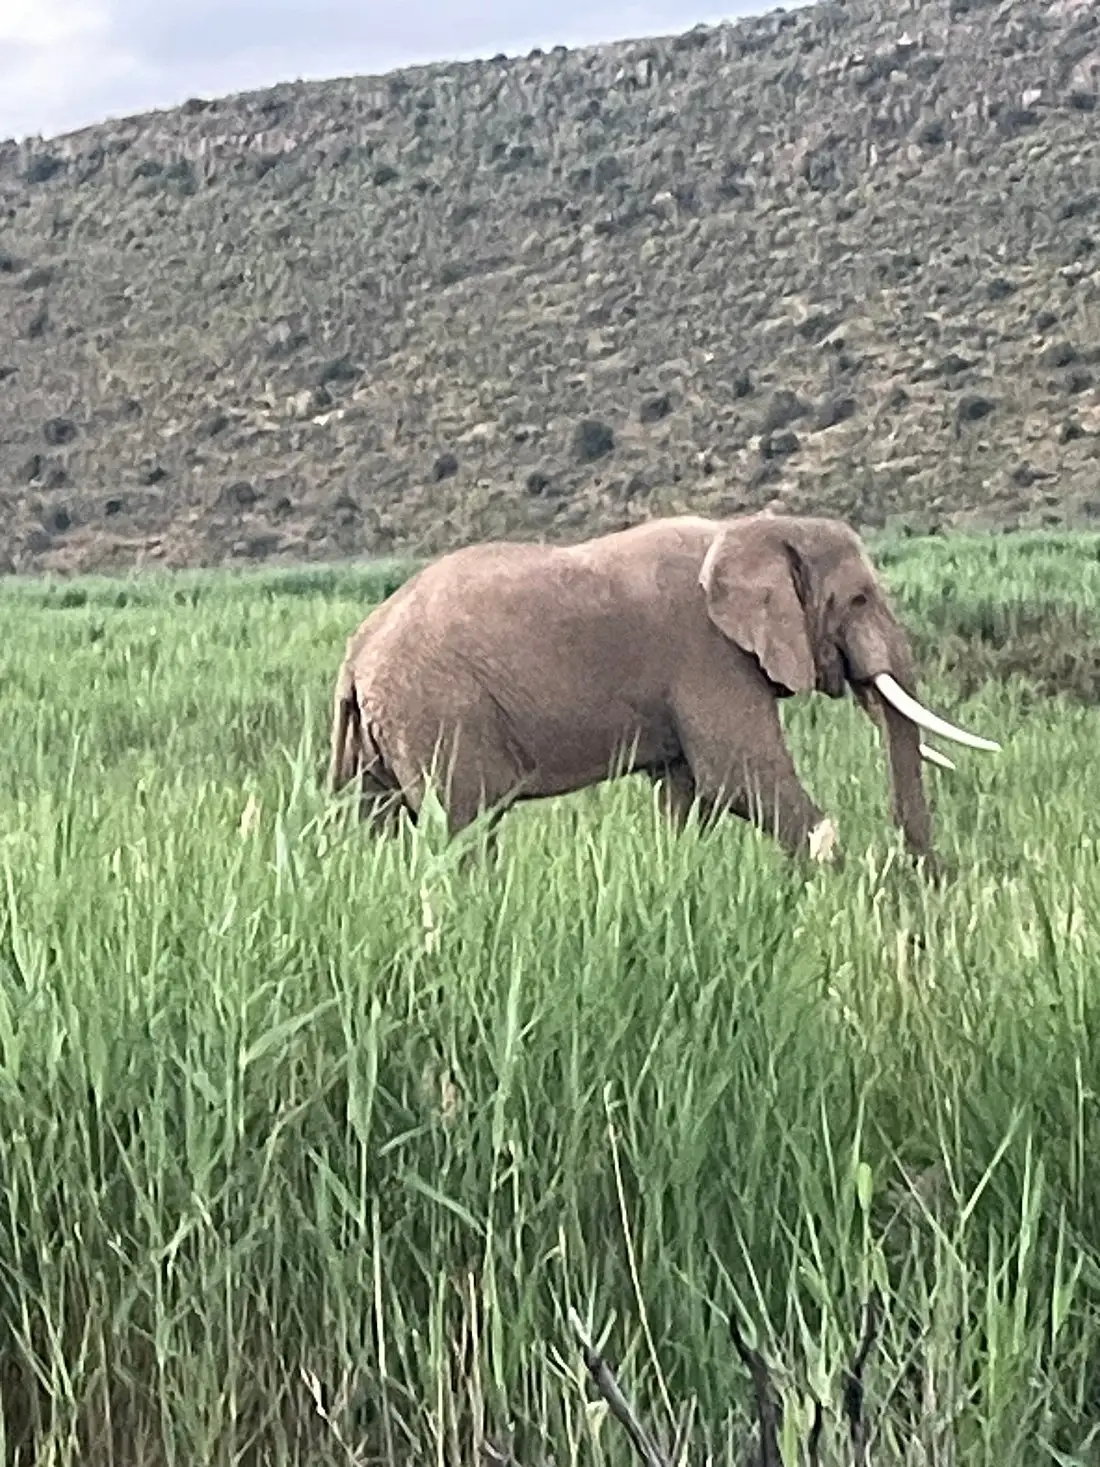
(800, 595)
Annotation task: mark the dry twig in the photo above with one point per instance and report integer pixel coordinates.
(769, 1408)
(617, 1404)
(813, 1441)
(853, 1380)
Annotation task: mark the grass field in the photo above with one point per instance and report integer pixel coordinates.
(309, 1144)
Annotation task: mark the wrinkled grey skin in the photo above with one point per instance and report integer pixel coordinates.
(662, 649)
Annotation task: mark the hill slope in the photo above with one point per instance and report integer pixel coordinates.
(840, 258)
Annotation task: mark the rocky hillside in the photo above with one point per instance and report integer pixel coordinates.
(842, 258)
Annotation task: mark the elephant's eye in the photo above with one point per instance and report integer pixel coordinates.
(859, 599)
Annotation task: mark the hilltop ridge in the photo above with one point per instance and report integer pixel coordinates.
(840, 259)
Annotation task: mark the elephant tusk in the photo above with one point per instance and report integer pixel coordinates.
(908, 706)
(935, 757)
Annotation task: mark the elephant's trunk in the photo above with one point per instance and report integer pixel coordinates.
(879, 664)
(901, 734)
(909, 803)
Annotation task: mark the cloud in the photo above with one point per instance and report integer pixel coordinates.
(67, 63)
(51, 22)
(57, 59)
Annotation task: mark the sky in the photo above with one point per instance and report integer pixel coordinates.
(67, 63)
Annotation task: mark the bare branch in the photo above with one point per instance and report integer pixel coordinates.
(498, 1454)
(683, 1434)
(768, 1407)
(853, 1380)
(608, 1389)
(813, 1441)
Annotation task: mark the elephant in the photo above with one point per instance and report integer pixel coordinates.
(533, 670)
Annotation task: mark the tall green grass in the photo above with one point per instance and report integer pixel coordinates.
(309, 1143)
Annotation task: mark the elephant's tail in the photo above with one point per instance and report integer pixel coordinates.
(347, 735)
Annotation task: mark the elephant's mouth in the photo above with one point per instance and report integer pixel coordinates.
(833, 672)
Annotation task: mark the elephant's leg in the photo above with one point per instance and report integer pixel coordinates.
(768, 793)
(468, 801)
(472, 775)
(489, 848)
(677, 794)
(467, 795)
(380, 807)
(381, 797)
(743, 767)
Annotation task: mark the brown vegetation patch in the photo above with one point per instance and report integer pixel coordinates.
(1052, 646)
(840, 258)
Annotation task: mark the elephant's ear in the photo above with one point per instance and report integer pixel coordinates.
(748, 580)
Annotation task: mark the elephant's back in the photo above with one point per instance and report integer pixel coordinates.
(515, 604)
(447, 606)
